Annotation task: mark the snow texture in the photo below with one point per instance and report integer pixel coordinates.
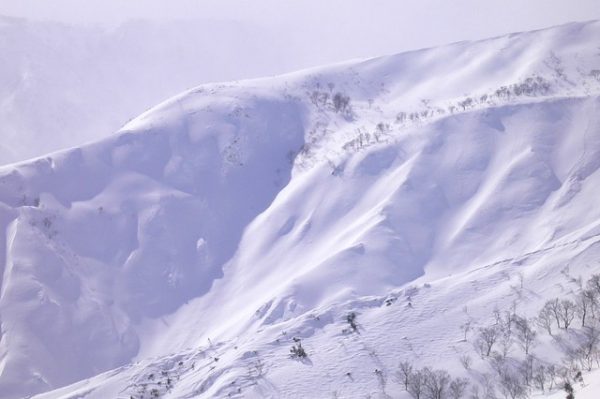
(415, 190)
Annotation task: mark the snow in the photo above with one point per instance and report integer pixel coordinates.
(213, 229)
(588, 390)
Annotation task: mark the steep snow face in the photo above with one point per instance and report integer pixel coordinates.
(242, 215)
(129, 229)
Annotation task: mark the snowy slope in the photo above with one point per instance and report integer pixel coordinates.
(210, 231)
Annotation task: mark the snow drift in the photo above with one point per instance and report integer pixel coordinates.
(414, 190)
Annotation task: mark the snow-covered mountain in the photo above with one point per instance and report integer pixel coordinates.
(187, 254)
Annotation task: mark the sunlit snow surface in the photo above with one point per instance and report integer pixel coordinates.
(215, 228)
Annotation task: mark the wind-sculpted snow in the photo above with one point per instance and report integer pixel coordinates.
(101, 237)
(218, 229)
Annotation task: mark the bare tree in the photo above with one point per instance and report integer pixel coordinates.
(525, 333)
(545, 318)
(416, 385)
(504, 325)
(567, 312)
(489, 387)
(498, 363)
(553, 305)
(487, 338)
(458, 387)
(466, 103)
(341, 102)
(588, 350)
(594, 283)
(504, 319)
(436, 383)
(527, 369)
(586, 302)
(488, 390)
(592, 293)
(319, 98)
(564, 373)
(512, 386)
(539, 377)
(506, 342)
(405, 373)
(552, 373)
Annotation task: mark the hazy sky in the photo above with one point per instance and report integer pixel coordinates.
(330, 30)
